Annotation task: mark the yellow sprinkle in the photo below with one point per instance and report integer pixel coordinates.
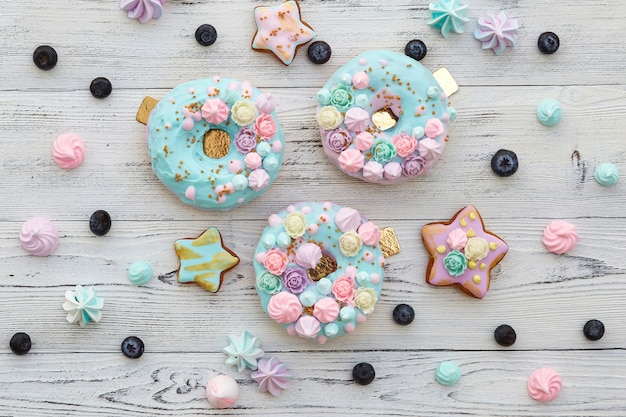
(471, 264)
(493, 245)
(471, 233)
(463, 222)
(483, 267)
(472, 215)
(476, 279)
(441, 249)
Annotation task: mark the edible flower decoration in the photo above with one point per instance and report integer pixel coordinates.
(83, 306)
(243, 351)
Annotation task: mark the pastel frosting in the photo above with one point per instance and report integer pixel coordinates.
(549, 112)
(271, 375)
(383, 118)
(448, 16)
(140, 272)
(448, 373)
(143, 10)
(495, 31)
(325, 292)
(208, 160)
(544, 384)
(222, 391)
(83, 306)
(560, 236)
(68, 151)
(243, 351)
(39, 236)
(606, 174)
(281, 30)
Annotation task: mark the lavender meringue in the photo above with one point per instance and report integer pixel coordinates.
(39, 236)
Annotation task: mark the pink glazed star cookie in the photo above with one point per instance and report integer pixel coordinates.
(281, 30)
(462, 252)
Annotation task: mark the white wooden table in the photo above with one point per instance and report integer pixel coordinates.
(74, 371)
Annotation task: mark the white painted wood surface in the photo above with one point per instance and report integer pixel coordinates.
(547, 298)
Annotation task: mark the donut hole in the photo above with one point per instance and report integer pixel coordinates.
(216, 143)
(384, 118)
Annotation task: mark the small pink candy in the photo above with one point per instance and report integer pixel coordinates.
(362, 61)
(322, 339)
(350, 328)
(260, 257)
(216, 79)
(253, 160)
(221, 199)
(291, 208)
(306, 209)
(368, 256)
(369, 233)
(265, 103)
(434, 127)
(222, 391)
(190, 193)
(381, 260)
(274, 220)
(327, 205)
(375, 278)
(351, 271)
(211, 91)
(234, 166)
(277, 146)
(291, 330)
(364, 141)
(360, 80)
(187, 123)
(312, 229)
(361, 318)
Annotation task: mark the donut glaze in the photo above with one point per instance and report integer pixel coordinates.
(357, 109)
(216, 143)
(315, 274)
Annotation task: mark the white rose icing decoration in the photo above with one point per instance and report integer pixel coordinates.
(39, 236)
(560, 237)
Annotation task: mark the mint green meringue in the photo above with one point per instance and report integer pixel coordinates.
(140, 272)
(448, 16)
(606, 174)
(549, 112)
(448, 373)
(243, 351)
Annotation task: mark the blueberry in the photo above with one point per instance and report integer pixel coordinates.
(45, 57)
(548, 43)
(403, 314)
(20, 343)
(504, 163)
(100, 223)
(505, 335)
(415, 49)
(100, 87)
(319, 52)
(593, 330)
(363, 373)
(132, 347)
(206, 35)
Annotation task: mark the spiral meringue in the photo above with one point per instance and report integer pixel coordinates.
(448, 16)
(271, 376)
(549, 112)
(222, 391)
(68, 151)
(357, 119)
(429, 149)
(82, 306)
(243, 351)
(606, 174)
(347, 219)
(307, 327)
(265, 103)
(308, 255)
(215, 111)
(560, 237)
(351, 160)
(496, 32)
(544, 384)
(284, 308)
(448, 373)
(39, 236)
(143, 10)
(326, 310)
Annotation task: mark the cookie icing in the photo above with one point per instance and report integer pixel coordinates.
(208, 160)
(383, 118)
(319, 269)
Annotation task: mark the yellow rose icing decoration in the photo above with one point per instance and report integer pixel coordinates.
(243, 112)
(295, 224)
(476, 248)
(365, 299)
(329, 118)
(350, 243)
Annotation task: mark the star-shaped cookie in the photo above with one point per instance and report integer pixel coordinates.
(204, 260)
(281, 30)
(462, 252)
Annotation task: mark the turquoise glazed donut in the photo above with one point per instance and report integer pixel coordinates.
(319, 269)
(383, 117)
(216, 143)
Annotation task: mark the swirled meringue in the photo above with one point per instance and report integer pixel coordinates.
(243, 351)
(457, 239)
(373, 171)
(271, 376)
(560, 236)
(448, 16)
(326, 310)
(347, 219)
(284, 308)
(82, 306)
(140, 272)
(357, 119)
(308, 255)
(544, 384)
(68, 151)
(258, 179)
(308, 327)
(351, 160)
(429, 149)
(39, 236)
(448, 373)
(215, 111)
(606, 174)
(222, 391)
(496, 32)
(143, 10)
(265, 103)
(549, 112)
(369, 233)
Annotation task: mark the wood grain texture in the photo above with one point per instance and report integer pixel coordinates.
(546, 298)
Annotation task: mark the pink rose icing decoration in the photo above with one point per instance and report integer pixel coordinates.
(351, 160)
(560, 237)
(143, 10)
(344, 288)
(434, 127)
(347, 219)
(369, 233)
(275, 261)
(544, 384)
(357, 119)
(284, 308)
(308, 327)
(429, 149)
(68, 151)
(457, 239)
(39, 236)
(364, 141)
(405, 145)
(308, 255)
(215, 111)
(265, 126)
(326, 310)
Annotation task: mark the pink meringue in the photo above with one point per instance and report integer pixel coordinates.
(348, 219)
(369, 233)
(544, 384)
(351, 160)
(307, 327)
(560, 237)
(143, 10)
(284, 308)
(68, 151)
(271, 375)
(258, 179)
(39, 236)
(457, 239)
(373, 171)
(393, 170)
(364, 141)
(496, 32)
(360, 80)
(357, 119)
(265, 103)
(434, 127)
(215, 111)
(308, 255)
(222, 391)
(326, 310)
(429, 149)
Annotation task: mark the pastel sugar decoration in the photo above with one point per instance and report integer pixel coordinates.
(496, 32)
(68, 151)
(560, 237)
(39, 236)
(83, 306)
(222, 391)
(243, 351)
(140, 272)
(549, 112)
(143, 10)
(606, 174)
(271, 375)
(448, 16)
(544, 384)
(448, 373)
